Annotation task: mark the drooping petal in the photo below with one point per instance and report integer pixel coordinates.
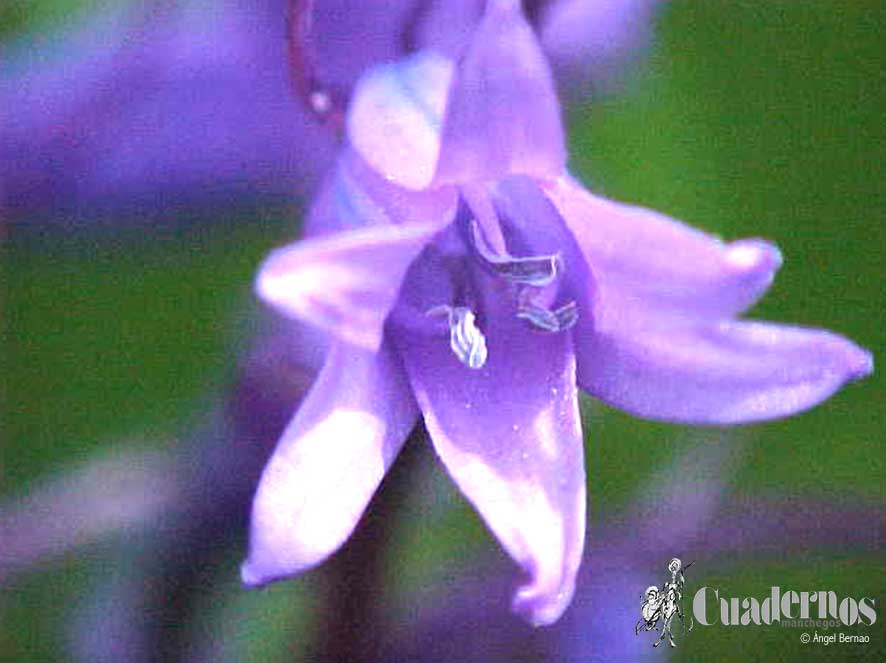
(502, 116)
(346, 282)
(723, 373)
(654, 271)
(509, 435)
(677, 503)
(328, 463)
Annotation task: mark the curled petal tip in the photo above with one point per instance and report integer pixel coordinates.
(250, 577)
(754, 256)
(850, 362)
(515, 451)
(862, 364)
(539, 607)
(259, 571)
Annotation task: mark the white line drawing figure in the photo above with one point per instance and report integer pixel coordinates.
(661, 605)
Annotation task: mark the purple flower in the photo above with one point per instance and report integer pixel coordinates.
(464, 276)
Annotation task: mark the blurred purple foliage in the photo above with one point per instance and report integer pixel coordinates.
(156, 105)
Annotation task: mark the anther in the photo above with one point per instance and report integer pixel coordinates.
(537, 271)
(465, 339)
(554, 321)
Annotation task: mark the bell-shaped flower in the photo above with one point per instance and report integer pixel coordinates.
(465, 277)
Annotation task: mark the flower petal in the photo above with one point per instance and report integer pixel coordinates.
(510, 436)
(502, 116)
(725, 373)
(394, 119)
(501, 110)
(354, 195)
(328, 463)
(652, 270)
(347, 282)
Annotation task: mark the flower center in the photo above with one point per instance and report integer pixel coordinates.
(532, 278)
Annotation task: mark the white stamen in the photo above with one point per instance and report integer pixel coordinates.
(465, 338)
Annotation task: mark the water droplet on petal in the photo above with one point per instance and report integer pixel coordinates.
(320, 102)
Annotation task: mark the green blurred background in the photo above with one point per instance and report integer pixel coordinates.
(748, 119)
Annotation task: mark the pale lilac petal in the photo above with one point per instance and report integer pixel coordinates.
(501, 113)
(503, 116)
(509, 435)
(394, 119)
(654, 271)
(724, 373)
(354, 196)
(328, 463)
(347, 282)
